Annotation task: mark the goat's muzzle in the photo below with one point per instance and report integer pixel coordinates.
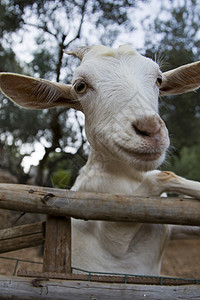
(149, 127)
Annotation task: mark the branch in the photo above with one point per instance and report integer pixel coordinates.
(60, 57)
(44, 28)
(77, 36)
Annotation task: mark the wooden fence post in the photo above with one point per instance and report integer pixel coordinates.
(57, 247)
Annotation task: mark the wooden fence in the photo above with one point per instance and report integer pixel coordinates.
(56, 281)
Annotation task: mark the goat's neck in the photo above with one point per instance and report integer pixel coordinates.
(106, 175)
(107, 166)
(103, 174)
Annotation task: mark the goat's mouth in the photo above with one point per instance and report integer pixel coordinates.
(141, 155)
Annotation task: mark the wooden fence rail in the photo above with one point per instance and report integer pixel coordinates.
(93, 206)
(29, 289)
(21, 237)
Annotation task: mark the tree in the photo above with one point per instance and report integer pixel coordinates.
(56, 25)
(176, 31)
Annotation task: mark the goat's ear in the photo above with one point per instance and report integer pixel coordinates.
(37, 93)
(181, 80)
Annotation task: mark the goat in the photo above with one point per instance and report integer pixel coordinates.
(117, 90)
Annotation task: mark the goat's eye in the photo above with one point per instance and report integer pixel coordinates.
(159, 80)
(80, 87)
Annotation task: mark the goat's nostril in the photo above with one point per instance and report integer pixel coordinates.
(140, 132)
(148, 127)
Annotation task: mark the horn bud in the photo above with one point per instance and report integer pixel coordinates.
(79, 52)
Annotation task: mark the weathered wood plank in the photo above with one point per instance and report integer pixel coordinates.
(28, 288)
(20, 237)
(57, 250)
(93, 206)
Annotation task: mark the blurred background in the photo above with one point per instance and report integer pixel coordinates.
(48, 147)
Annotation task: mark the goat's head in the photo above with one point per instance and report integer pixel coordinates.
(118, 92)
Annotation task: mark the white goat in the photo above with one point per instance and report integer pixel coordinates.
(118, 91)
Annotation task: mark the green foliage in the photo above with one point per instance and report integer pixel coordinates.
(11, 18)
(181, 114)
(112, 11)
(58, 163)
(8, 61)
(187, 164)
(61, 178)
(43, 63)
(25, 126)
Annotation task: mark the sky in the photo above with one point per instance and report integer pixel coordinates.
(24, 49)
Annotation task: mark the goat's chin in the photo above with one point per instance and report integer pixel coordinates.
(140, 161)
(143, 163)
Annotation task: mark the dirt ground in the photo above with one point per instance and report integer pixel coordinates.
(182, 259)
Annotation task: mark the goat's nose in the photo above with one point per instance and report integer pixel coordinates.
(148, 126)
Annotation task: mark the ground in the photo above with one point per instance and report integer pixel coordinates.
(182, 259)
